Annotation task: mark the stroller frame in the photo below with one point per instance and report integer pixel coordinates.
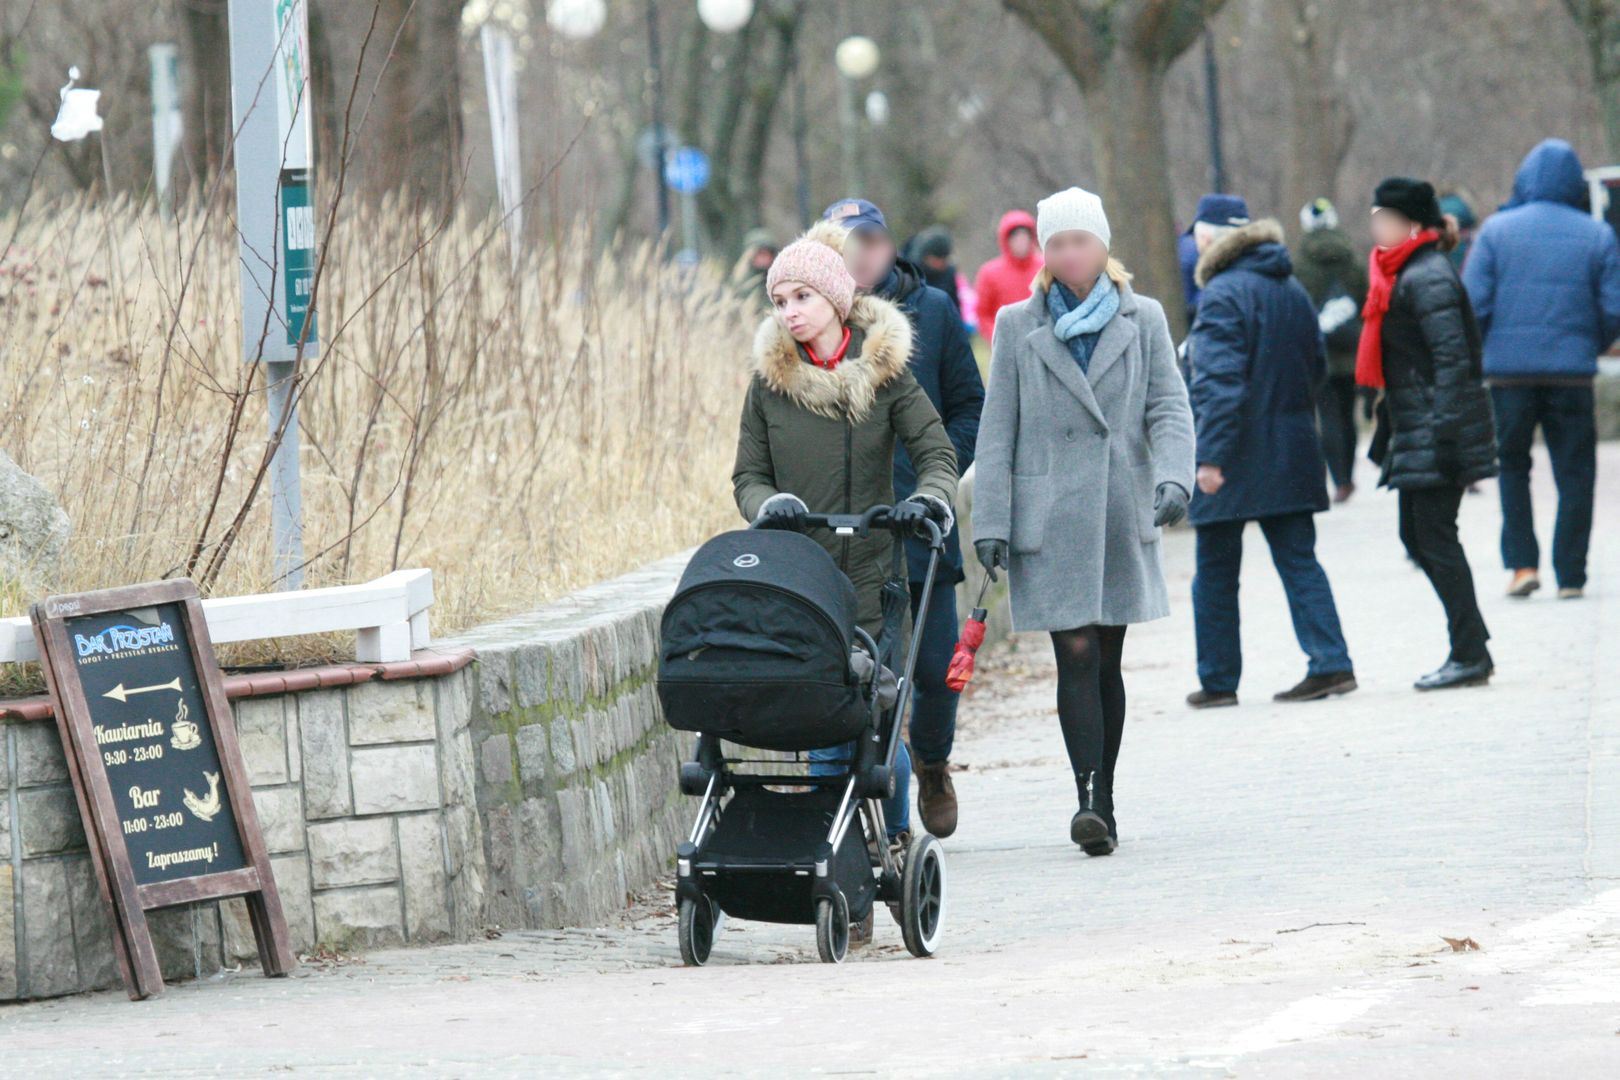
(825, 880)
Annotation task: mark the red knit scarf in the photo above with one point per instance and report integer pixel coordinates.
(1382, 266)
(832, 361)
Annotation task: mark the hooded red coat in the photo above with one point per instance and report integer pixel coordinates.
(1005, 280)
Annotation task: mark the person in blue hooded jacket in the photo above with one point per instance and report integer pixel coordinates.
(1544, 279)
(1258, 360)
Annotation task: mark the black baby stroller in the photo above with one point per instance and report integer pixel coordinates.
(761, 649)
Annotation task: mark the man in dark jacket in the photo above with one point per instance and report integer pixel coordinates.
(1257, 358)
(930, 251)
(1544, 280)
(942, 361)
(1336, 280)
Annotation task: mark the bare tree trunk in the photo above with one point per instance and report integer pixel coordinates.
(1321, 124)
(206, 95)
(419, 116)
(1117, 52)
(1127, 138)
(1599, 23)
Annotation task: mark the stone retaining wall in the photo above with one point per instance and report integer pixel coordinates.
(576, 770)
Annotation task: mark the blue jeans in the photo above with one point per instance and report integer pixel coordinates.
(834, 761)
(1292, 538)
(1565, 415)
(933, 708)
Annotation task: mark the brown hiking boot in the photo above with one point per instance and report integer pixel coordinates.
(936, 798)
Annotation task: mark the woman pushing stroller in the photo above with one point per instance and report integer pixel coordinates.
(830, 394)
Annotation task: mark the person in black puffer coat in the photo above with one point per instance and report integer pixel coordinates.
(1420, 345)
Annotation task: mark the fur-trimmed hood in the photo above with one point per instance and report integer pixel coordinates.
(849, 389)
(1229, 248)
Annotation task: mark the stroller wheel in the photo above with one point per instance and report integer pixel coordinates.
(922, 895)
(832, 929)
(697, 926)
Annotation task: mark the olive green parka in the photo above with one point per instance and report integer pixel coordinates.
(828, 436)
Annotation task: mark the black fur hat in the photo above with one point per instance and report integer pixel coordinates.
(1414, 198)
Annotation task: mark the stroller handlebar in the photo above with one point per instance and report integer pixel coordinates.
(874, 517)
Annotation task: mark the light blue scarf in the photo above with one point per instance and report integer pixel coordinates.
(1078, 322)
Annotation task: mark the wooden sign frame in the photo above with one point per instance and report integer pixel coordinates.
(127, 900)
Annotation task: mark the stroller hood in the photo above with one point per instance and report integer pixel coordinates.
(755, 644)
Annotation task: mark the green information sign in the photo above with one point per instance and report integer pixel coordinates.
(298, 253)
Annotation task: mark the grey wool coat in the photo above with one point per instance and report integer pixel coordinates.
(1068, 464)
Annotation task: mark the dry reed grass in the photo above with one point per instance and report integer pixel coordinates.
(522, 433)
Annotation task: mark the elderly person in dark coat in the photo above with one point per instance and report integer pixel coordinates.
(1085, 451)
(1257, 360)
(1420, 346)
(943, 364)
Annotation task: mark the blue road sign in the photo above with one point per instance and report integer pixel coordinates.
(686, 170)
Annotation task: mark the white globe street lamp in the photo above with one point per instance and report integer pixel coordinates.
(725, 16)
(577, 19)
(857, 57)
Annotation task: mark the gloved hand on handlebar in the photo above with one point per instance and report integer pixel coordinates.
(931, 507)
(991, 553)
(782, 511)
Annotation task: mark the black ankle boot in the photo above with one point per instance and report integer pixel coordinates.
(1088, 826)
(1108, 844)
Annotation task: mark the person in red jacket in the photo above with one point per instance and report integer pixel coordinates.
(1005, 279)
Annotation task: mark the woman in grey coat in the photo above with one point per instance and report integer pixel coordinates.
(1085, 450)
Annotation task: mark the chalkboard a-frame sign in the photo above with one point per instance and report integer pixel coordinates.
(159, 776)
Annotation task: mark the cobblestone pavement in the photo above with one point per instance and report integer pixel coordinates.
(1278, 906)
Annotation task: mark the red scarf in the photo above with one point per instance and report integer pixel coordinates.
(832, 361)
(1382, 266)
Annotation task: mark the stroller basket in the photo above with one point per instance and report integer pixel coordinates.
(756, 645)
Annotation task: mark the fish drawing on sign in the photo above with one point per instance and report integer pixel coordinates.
(204, 808)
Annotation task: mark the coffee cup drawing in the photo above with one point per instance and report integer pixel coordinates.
(187, 736)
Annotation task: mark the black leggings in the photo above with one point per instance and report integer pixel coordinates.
(1091, 702)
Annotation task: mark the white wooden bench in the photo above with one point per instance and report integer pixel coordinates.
(389, 617)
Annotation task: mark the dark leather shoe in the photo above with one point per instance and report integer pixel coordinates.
(1211, 699)
(1317, 687)
(1453, 674)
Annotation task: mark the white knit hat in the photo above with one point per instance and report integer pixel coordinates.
(1075, 208)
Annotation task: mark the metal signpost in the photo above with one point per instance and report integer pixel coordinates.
(166, 120)
(686, 172)
(276, 229)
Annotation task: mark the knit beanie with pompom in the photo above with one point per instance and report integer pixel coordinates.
(816, 259)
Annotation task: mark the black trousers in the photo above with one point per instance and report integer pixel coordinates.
(1429, 531)
(1336, 416)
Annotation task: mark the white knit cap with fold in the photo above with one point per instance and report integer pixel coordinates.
(1075, 208)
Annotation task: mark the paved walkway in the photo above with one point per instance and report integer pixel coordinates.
(1277, 908)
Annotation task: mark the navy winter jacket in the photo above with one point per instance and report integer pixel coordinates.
(943, 364)
(1257, 363)
(1543, 276)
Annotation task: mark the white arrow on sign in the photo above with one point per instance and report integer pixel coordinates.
(118, 693)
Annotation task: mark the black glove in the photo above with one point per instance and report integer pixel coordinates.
(991, 553)
(782, 512)
(908, 515)
(1169, 504)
